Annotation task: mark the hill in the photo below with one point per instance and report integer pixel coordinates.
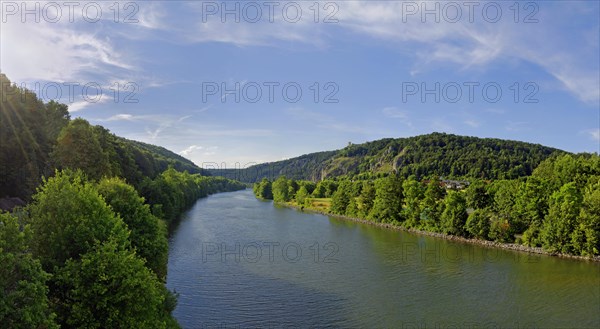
(436, 154)
(36, 138)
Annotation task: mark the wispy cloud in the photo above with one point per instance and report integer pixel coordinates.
(472, 123)
(515, 126)
(395, 113)
(593, 134)
(188, 151)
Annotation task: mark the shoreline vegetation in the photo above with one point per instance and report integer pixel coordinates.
(84, 218)
(485, 243)
(554, 211)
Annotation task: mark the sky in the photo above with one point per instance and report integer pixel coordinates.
(233, 83)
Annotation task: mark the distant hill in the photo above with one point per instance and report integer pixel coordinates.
(166, 157)
(436, 154)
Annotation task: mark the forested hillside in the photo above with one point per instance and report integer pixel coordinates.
(89, 247)
(38, 137)
(557, 207)
(435, 154)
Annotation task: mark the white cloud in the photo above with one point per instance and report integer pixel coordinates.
(83, 104)
(58, 53)
(121, 117)
(593, 134)
(188, 151)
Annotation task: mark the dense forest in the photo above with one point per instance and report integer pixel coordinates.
(439, 154)
(557, 207)
(36, 138)
(89, 247)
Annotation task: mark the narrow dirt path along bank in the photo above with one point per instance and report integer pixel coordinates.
(486, 243)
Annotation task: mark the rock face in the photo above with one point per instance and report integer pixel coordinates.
(8, 204)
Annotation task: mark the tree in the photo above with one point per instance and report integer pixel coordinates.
(531, 203)
(77, 147)
(148, 234)
(302, 195)
(264, 189)
(281, 190)
(366, 199)
(292, 189)
(455, 215)
(501, 229)
(506, 220)
(387, 206)
(431, 207)
(69, 218)
(478, 224)
(413, 196)
(330, 188)
(320, 190)
(477, 196)
(109, 287)
(352, 208)
(564, 208)
(341, 198)
(23, 290)
(586, 237)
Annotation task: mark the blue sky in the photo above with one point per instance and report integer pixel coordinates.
(371, 62)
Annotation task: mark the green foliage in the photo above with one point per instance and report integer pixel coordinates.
(352, 208)
(477, 196)
(23, 290)
(292, 188)
(281, 190)
(414, 192)
(431, 206)
(78, 147)
(264, 189)
(387, 206)
(366, 199)
(172, 191)
(69, 218)
(28, 130)
(564, 207)
(586, 237)
(37, 138)
(434, 154)
(310, 186)
(455, 215)
(567, 222)
(96, 278)
(531, 204)
(531, 236)
(109, 287)
(320, 190)
(341, 198)
(302, 195)
(148, 234)
(330, 188)
(478, 224)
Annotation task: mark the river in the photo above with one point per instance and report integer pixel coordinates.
(238, 262)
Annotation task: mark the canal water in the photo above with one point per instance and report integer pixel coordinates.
(238, 262)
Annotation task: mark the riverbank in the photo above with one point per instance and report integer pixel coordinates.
(485, 243)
